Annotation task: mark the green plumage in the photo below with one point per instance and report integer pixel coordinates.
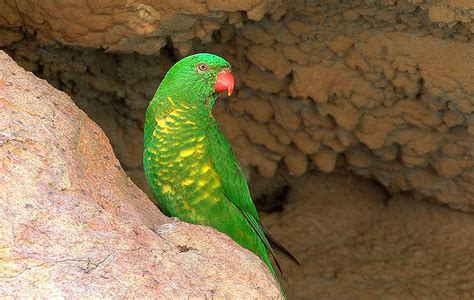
(189, 164)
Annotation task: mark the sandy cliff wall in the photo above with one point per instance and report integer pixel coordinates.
(382, 88)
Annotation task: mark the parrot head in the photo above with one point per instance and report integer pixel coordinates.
(199, 76)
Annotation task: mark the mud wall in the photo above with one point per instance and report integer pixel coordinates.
(382, 88)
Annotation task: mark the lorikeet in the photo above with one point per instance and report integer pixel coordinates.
(190, 166)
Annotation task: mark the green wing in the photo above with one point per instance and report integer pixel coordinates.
(233, 181)
(232, 177)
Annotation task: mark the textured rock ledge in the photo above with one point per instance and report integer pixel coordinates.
(72, 224)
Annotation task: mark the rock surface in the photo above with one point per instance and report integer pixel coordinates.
(384, 88)
(73, 225)
(354, 242)
(141, 26)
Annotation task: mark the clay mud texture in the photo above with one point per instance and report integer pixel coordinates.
(384, 89)
(355, 243)
(73, 225)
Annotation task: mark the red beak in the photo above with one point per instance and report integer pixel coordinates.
(224, 82)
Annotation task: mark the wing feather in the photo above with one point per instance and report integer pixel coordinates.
(236, 189)
(256, 226)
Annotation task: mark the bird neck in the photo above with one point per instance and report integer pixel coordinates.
(194, 108)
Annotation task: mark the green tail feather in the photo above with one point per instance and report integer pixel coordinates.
(261, 234)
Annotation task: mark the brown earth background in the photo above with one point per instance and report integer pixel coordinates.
(352, 119)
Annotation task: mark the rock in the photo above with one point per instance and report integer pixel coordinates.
(450, 12)
(319, 82)
(325, 159)
(255, 11)
(264, 81)
(285, 114)
(268, 59)
(142, 28)
(295, 54)
(304, 143)
(257, 35)
(73, 225)
(260, 109)
(296, 163)
(346, 115)
(346, 75)
(340, 44)
(354, 239)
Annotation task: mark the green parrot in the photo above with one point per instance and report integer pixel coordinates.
(189, 164)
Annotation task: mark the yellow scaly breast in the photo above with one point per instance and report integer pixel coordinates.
(183, 167)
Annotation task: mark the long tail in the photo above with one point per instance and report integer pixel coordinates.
(278, 247)
(270, 242)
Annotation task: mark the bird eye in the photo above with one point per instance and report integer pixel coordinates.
(202, 67)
